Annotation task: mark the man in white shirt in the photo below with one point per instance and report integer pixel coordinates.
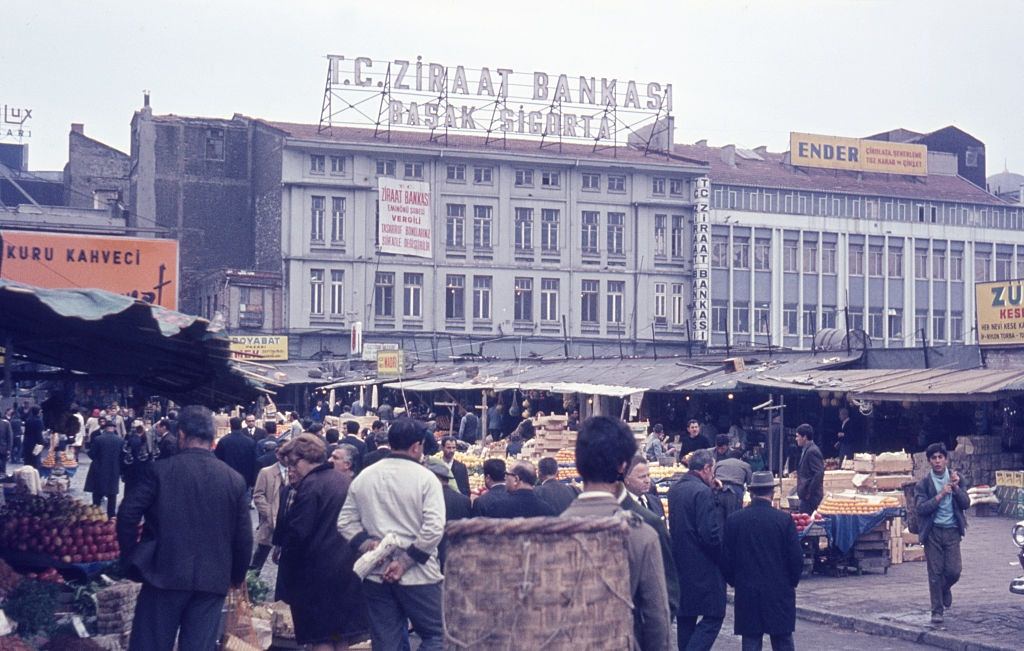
(398, 495)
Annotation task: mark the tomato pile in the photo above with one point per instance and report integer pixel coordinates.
(802, 520)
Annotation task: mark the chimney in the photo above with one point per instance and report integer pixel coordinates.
(78, 127)
(729, 155)
(145, 99)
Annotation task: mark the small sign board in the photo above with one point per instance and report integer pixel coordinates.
(390, 363)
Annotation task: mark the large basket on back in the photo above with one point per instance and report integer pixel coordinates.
(538, 584)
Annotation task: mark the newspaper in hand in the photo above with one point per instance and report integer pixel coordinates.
(378, 557)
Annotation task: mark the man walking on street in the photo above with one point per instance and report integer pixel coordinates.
(763, 561)
(696, 543)
(238, 450)
(552, 491)
(941, 500)
(810, 472)
(104, 476)
(398, 495)
(196, 541)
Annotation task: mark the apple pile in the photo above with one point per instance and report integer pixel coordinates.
(60, 526)
(802, 520)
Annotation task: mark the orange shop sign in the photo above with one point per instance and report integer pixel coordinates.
(146, 269)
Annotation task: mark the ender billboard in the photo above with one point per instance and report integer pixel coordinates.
(1000, 308)
(146, 269)
(857, 155)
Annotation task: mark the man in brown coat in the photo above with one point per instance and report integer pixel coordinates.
(266, 497)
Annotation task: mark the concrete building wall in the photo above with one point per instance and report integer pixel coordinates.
(95, 173)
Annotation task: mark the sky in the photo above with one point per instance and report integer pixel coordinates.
(743, 73)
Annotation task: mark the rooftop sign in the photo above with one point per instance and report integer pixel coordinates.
(857, 155)
(1000, 313)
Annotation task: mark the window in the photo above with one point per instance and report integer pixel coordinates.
(939, 326)
(921, 264)
(482, 227)
(1004, 265)
(789, 256)
(616, 226)
(316, 291)
(676, 187)
(762, 254)
(660, 235)
(588, 234)
(385, 168)
(875, 261)
(455, 298)
(810, 257)
(732, 199)
(548, 299)
(678, 304)
(1020, 263)
(741, 318)
(337, 292)
(939, 264)
(810, 321)
(482, 298)
(457, 173)
(762, 319)
(828, 258)
(591, 181)
(215, 144)
(337, 164)
(616, 294)
(483, 175)
(316, 163)
(589, 290)
(523, 299)
(524, 229)
(338, 220)
(720, 251)
(524, 178)
(455, 226)
(657, 186)
(921, 324)
(719, 316)
(828, 316)
(855, 321)
(895, 323)
(856, 259)
(678, 235)
(956, 265)
(550, 179)
(920, 213)
(875, 323)
(412, 296)
(384, 294)
(549, 223)
(316, 229)
(895, 262)
(956, 326)
(981, 266)
(414, 170)
(616, 183)
(789, 325)
(660, 303)
(741, 253)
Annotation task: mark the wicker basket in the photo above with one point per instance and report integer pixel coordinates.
(538, 583)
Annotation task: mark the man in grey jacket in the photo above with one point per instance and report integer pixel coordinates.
(604, 448)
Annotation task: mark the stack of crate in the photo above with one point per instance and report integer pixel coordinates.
(896, 541)
(640, 430)
(551, 434)
(872, 551)
(884, 472)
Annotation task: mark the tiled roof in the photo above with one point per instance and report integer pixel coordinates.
(466, 143)
(772, 172)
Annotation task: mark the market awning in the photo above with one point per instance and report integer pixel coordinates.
(497, 384)
(118, 338)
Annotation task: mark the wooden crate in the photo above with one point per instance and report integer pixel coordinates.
(913, 553)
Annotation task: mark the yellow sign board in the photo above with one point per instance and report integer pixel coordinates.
(260, 348)
(857, 154)
(390, 363)
(1000, 312)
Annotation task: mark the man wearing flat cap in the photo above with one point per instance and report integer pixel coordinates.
(456, 505)
(762, 560)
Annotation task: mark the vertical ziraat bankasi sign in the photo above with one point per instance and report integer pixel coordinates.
(700, 314)
(404, 226)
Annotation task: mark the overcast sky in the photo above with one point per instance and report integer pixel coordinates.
(746, 73)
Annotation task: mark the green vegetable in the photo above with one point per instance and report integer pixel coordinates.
(32, 605)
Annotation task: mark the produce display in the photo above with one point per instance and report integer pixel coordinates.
(803, 520)
(59, 526)
(835, 505)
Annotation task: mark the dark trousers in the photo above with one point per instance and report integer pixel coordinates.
(160, 615)
(779, 642)
(942, 554)
(809, 506)
(697, 636)
(260, 557)
(392, 607)
(97, 499)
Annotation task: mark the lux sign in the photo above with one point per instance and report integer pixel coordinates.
(701, 312)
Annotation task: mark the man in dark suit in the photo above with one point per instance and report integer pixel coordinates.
(848, 436)
(456, 505)
(552, 491)
(628, 503)
(196, 541)
(255, 433)
(762, 559)
(494, 480)
(104, 477)
(166, 439)
(521, 502)
(33, 437)
(810, 472)
(638, 483)
(449, 445)
(352, 438)
(696, 544)
(238, 450)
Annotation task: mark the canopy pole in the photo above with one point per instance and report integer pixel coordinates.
(8, 362)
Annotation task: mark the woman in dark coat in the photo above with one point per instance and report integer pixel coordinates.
(316, 564)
